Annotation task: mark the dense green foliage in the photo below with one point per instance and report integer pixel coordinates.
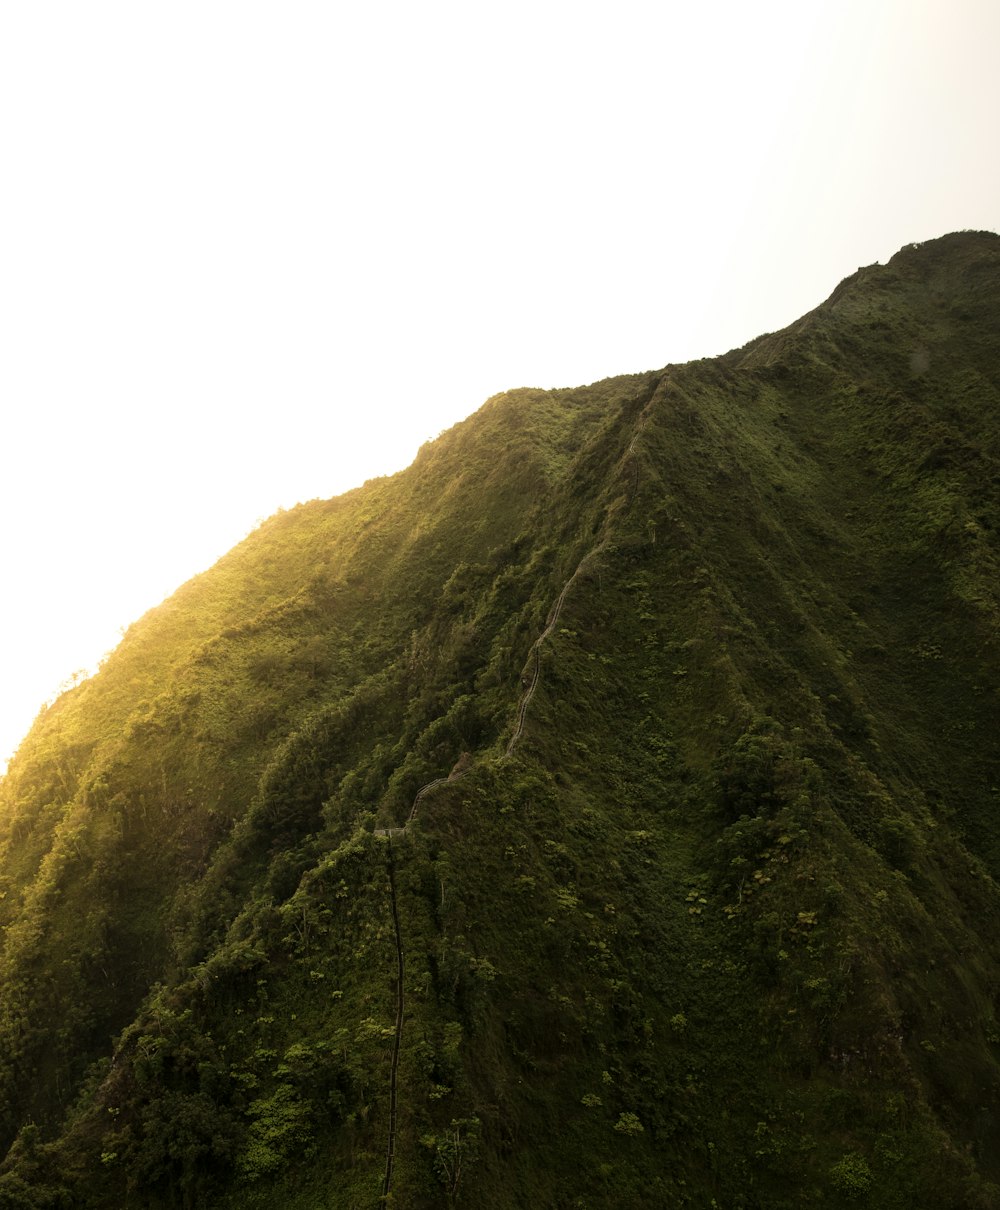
(719, 925)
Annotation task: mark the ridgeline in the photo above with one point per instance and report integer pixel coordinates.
(603, 812)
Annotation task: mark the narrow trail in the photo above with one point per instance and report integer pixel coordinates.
(387, 834)
(535, 653)
(390, 1150)
(431, 785)
(553, 618)
(534, 656)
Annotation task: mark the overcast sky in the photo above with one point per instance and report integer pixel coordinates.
(255, 253)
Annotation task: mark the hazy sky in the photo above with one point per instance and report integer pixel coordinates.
(254, 253)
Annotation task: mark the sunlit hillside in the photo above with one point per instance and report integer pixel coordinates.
(602, 812)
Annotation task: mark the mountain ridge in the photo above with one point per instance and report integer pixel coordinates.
(709, 913)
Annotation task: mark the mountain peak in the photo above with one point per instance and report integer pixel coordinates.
(602, 810)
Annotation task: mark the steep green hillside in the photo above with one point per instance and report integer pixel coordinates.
(603, 812)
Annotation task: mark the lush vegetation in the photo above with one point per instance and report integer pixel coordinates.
(722, 926)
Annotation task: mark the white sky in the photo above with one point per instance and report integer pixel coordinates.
(254, 253)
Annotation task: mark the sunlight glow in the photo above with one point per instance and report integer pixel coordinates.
(254, 254)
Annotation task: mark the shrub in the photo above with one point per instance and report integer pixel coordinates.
(851, 1175)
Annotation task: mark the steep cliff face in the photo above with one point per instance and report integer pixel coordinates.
(601, 812)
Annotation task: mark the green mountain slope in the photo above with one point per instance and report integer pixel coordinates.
(603, 812)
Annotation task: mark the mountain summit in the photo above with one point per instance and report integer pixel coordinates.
(602, 812)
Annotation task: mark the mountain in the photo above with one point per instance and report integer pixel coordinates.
(602, 812)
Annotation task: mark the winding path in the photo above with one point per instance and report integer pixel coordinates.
(556, 610)
(431, 785)
(387, 833)
(534, 654)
